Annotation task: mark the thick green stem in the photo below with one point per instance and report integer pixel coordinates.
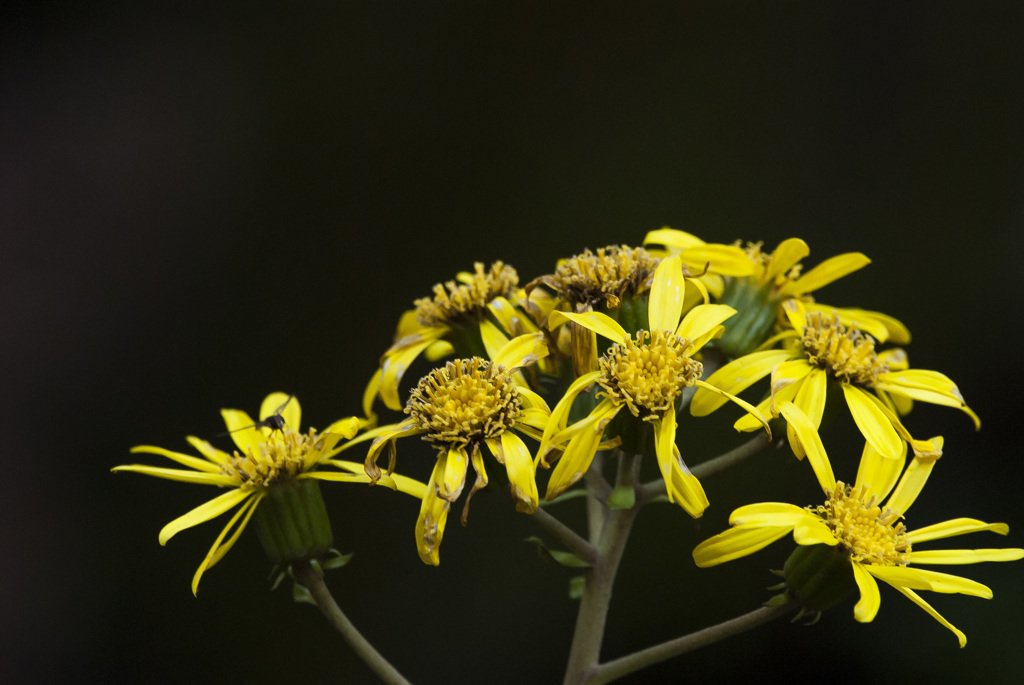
(687, 643)
(573, 542)
(585, 651)
(313, 581)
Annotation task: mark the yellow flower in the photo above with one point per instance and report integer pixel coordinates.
(271, 454)
(460, 408)
(455, 319)
(644, 374)
(868, 536)
(877, 386)
(758, 282)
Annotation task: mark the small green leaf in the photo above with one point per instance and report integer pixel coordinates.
(622, 497)
(576, 586)
(336, 560)
(301, 595)
(559, 557)
(571, 494)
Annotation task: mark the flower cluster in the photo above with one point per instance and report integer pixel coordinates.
(605, 366)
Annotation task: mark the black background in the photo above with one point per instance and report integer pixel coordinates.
(201, 206)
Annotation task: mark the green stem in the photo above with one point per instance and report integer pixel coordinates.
(585, 652)
(573, 542)
(687, 643)
(313, 580)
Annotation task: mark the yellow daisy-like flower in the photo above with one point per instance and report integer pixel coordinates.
(272, 458)
(877, 386)
(758, 282)
(868, 535)
(644, 374)
(460, 408)
(454, 319)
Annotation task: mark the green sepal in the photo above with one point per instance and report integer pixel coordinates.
(292, 522)
(559, 557)
(300, 595)
(756, 314)
(622, 497)
(819, 576)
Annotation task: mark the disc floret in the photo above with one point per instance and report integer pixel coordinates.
(647, 373)
(453, 301)
(281, 457)
(869, 533)
(845, 353)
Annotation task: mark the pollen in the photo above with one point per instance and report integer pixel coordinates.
(464, 403)
(846, 353)
(605, 276)
(762, 258)
(456, 300)
(648, 373)
(871, 534)
(281, 457)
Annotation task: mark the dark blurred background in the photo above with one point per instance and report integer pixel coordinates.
(198, 207)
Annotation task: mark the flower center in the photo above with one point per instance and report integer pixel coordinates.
(865, 529)
(590, 278)
(281, 457)
(452, 301)
(847, 353)
(465, 402)
(758, 256)
(648, 373)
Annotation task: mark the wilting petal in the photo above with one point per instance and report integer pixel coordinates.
(397, 360)
(575, 461)
(521, 474)
(560, 414)
(682, 487)
(522, 350)
(456, 463)
(432, 519)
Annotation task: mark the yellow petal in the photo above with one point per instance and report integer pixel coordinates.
(965, 556)
(701, 320)
(749, 408)
(218, 550)
(953, 527)
(870, 599)
(811, 443)
(785, 256)
(910, 484)
(432, 519)
(201, 477)
(829, 270)
(602, 324)
(521, 475)
(492, 337)
(671, 237)
(735, 377)
(877, 473)
(183, 459)
(796, 314)
(456, 464)
(560, 414)
(204, 512)
(727, 260)
(243, 430)
(370, 394)
(810, 396)
(811, 530)
(920, 579)
(576, 459)
(207, 450)
(522, 350)
(665, 302)
(682, 486)
(397, 360)
(768, 514)
(873, 424)
(916, 599)
(735, 543)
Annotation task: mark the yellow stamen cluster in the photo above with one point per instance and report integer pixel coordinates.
(864, 529)
(605, 276)
(281, 457)
(648, 373)
(465, 402)
(452, 301)
(847, 354)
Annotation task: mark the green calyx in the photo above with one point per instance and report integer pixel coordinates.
(756, 313)
(818, 576)
(292, 522)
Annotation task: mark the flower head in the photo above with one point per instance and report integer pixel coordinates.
(819, 349)
(644, 373)
(461, 408)
(458, 318)
(271, 455)
(868, 535)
